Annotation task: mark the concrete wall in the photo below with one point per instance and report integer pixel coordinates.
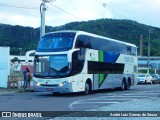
(4, 66)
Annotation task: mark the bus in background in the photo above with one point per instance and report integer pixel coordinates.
(76, 61)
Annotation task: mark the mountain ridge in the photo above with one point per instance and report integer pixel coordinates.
(124, 30)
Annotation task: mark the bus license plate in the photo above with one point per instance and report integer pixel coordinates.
(49, 89)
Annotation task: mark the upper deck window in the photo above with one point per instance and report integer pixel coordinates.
(56, 42)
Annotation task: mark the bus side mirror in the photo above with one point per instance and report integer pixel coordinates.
(36, 59)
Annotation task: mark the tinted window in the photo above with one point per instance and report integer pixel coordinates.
(105, 68)
(104, 45)
(82, 41)
(78, 61)
(141, 75)
(56, 42)
(51, 66)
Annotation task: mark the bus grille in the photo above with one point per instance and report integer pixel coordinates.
(52, 85)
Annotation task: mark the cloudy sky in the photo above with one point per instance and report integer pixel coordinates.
(59, 12)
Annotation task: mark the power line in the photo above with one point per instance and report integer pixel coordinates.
(65, 11)
(115, 12)
(111, 10)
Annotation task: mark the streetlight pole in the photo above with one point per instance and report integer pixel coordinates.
(149, 37)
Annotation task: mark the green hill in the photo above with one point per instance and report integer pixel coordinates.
(123, 30)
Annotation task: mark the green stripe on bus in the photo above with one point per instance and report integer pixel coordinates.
(101, 56)
(101, 79)
(101, 59)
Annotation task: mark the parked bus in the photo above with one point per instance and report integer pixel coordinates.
(77, 61)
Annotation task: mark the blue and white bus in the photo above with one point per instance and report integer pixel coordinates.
(76, 61)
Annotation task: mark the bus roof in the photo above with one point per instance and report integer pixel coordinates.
(90, 34)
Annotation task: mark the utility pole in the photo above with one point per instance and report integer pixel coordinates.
(149, 37)
(42, 11)
(141, 45)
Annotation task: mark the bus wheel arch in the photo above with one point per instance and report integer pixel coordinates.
(88, 86)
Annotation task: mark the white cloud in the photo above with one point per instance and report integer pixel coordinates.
(143, 11)
(16, 19)
(80, 11)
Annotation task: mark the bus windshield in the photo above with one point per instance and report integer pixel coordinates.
(56, 42)
(51, 66)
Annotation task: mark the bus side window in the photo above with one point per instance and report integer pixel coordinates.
(79, 44)
(129, 50)
(77, 61)
(82, 42)
(134, 51)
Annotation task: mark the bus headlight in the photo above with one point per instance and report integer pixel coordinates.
(69, 81)
(38, 84)
(65, 82)
(61, 84)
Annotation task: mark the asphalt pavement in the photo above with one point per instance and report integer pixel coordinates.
(139, 109)
(136, 109)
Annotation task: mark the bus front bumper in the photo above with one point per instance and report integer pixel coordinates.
(57, 88)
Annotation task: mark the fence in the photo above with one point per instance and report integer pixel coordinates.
(15, 81)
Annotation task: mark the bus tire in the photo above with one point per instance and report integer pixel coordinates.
(145, 82)
(125, 85)
(87, 88)
(56, 93)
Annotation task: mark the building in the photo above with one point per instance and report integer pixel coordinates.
(154, 63)
(16, 66)
(4, 66)
(23, 62)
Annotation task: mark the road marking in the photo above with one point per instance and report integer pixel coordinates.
(86, 101)
(114, 98)
(83, 102)
(122, 99)
(143, 94)
(96, 102)
(73, 103)
(127, 96)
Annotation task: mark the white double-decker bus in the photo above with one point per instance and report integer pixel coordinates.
(77, 61)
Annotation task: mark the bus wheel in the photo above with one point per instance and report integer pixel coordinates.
(123, 85)
(145, 82)
(56, 93)
(127, 86)
(87, 88)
